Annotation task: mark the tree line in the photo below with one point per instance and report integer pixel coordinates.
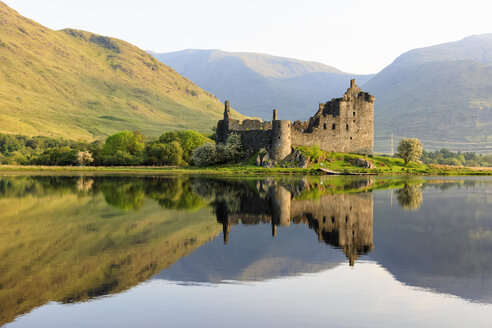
(175, 148)
(411, 150)
(126, 148)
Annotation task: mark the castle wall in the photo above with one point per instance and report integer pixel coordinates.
(255, 134)
(341, 125)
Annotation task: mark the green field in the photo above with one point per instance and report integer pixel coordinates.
(339, 162)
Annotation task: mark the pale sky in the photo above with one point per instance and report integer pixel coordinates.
(354, 36)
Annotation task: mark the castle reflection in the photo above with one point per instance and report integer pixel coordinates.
(342, 220)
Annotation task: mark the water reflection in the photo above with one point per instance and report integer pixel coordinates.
(410, 196)
(341, 220)
(74, 238)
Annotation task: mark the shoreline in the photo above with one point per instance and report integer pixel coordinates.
(242, 170)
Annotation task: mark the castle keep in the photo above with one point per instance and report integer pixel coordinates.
(341, 125)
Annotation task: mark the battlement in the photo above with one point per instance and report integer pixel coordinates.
(343, 124)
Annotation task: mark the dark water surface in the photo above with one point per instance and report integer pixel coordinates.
(157, 251)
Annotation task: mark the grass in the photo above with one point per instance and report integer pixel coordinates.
(82, 86)
(339, 162)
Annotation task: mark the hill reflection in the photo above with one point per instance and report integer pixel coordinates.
(73, 238)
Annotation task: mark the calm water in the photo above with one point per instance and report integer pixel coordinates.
(156, 251)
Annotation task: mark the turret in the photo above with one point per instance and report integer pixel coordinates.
(281, 138)
(227, 111)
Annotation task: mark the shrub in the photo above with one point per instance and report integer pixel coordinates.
(164, 154)
(84, 158)
(205, 155)
(121, 158)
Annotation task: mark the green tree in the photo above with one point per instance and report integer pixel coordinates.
(189, 140)
(164, 154)
(123, 148)
(63, 156)
(410, 150)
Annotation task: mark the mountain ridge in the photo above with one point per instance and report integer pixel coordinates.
(257, 83)
(441, 93)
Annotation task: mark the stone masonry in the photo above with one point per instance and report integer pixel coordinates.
(341, 125)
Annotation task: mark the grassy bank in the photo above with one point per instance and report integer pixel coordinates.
(339, 162)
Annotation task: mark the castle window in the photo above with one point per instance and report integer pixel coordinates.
(346, 127)
(346, 219)
(354, 113)
(332, 219)
(333, 126)
(350, 138)
(324, 219)
(324, 126)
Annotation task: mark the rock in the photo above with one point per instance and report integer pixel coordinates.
(268, 163)
(305, 162)
(365, 163)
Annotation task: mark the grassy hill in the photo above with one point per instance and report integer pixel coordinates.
(257, 83)
(81, 85)
(441, 94)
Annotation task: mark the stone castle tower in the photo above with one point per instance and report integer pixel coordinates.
(340, 125)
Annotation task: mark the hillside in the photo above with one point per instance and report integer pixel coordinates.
(81, 85)
(441, 94)
(257, 83)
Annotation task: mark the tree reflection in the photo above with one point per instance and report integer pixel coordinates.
(127, 194)
(410, 196)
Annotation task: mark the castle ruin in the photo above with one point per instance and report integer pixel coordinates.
(341, 125)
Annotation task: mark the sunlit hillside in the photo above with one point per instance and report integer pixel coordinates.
(81, 85)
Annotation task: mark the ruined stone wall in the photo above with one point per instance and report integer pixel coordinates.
(343, 125)
(254, 134)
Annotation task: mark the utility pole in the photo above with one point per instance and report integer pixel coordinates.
(392, 143)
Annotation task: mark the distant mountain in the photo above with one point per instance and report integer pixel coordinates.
(81, 85)
(442, 94)
(257, 83)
